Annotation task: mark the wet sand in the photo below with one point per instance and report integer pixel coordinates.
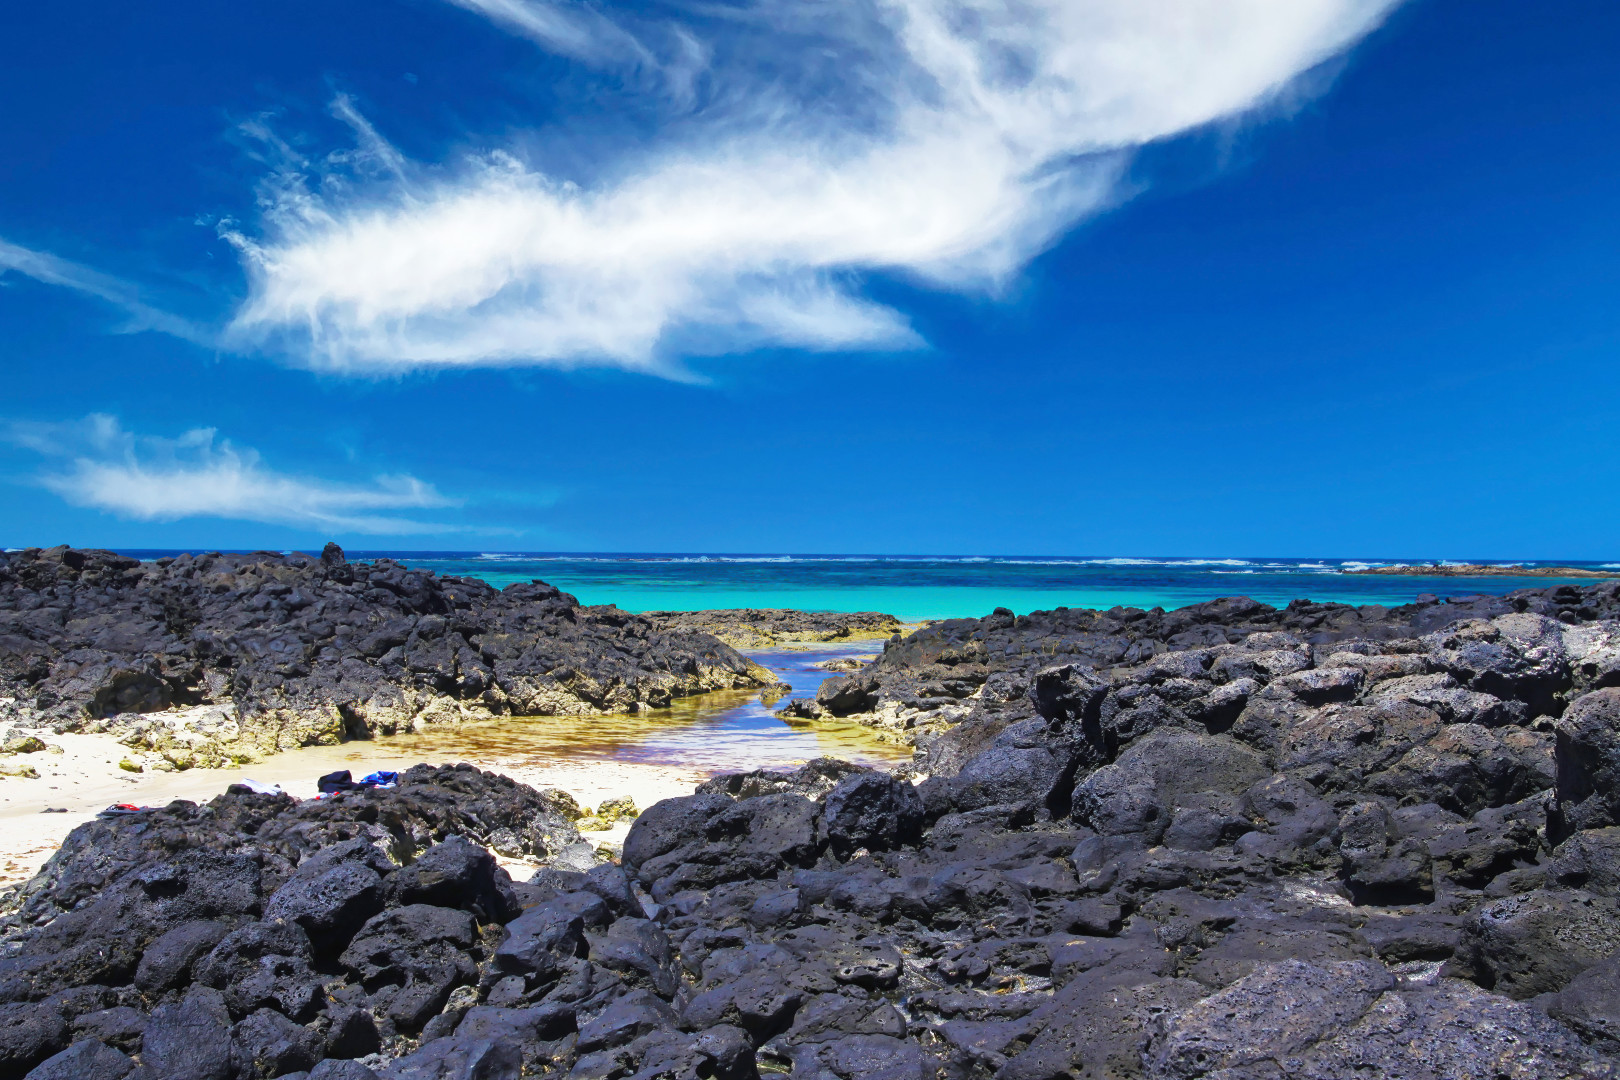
(646, 757)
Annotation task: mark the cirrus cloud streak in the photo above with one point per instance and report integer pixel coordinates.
(54, 270)
(104, 467)
(945, 141)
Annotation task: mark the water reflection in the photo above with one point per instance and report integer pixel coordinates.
(726, 731)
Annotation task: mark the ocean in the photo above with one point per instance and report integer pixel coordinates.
(923, 587)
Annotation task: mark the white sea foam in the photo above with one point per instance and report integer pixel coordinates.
(1121, 562)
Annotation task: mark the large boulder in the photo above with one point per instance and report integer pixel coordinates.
(1138, 794)
(873, 811)
(340, 1069)
(1536, 942)
(87, 1060)
(456, 873)
(1381, 866)
(411, 958)
(333, 892)
(1117, 802)
(1467, 768)
(166, 963)
(267, 1044)
(639, 953)
(1517, 658)
(1339, 746)
(1590, 1003)
(631, 1016)
(1070, 695)
(263, 965)
(669, 823)
(457, 1058)
(1095, 1025)
(1588, 860)
(190, 1039)
(29, 1033)
(1587, 757)
(1023, 765)
(539, 942)
(717, 840)
(1325, 1021)
(1265, 1018)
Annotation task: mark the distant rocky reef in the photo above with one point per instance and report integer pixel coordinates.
(757, 628)
(204, 660)
(1482, 570)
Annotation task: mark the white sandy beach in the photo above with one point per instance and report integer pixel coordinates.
(84, 779)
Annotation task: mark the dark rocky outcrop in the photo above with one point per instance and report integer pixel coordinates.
(1273, 856)
(1208, 663)
(209, 659)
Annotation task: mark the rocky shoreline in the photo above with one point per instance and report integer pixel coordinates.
(982, 672)
(1482, 570)
(219, 659)
(1226, 842)
(758, 628)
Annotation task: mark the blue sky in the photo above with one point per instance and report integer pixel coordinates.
(1290, 277)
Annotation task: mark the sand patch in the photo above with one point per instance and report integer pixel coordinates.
(85, 778)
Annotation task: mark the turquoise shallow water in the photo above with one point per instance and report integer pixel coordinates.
(726, 731)
(936, 588)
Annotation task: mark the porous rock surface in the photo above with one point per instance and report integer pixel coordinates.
(1467, 659)
(214, 658)
(1379, 855)
(756, 628)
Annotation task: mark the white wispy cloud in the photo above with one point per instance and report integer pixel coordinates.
(573, 30)
(53, 270)
(658, 55)
(948, 141)
(104, 467)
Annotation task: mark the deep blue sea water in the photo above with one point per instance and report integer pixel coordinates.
(915, 588)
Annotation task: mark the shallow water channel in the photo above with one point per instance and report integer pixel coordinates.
(725, 731)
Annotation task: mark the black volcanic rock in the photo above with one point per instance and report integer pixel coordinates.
(1206, 663)
(1379, 845)
(263, 652)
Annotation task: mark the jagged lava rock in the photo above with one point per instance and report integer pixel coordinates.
(1334, 842)
(215, 658)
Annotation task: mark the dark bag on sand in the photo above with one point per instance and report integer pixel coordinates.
(337, 781)
(342, 780)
